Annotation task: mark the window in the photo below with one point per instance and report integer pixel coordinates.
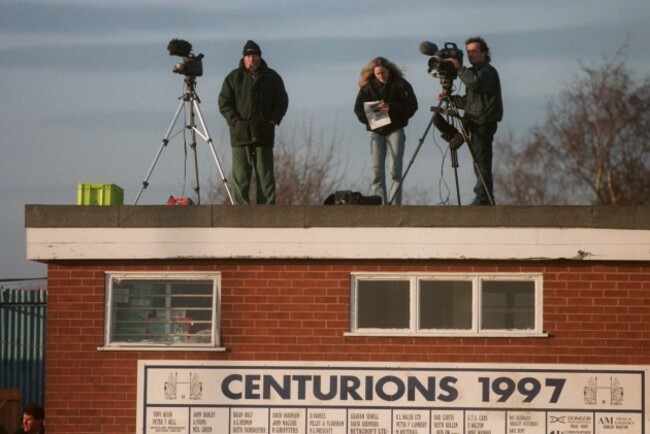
(162, 310)
(502, 304)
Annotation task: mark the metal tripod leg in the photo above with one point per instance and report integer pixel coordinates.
(205, 135)
(164, 143)
(415, 154)
(452, 111)
(189, 97)
(454, 164)
(192, 127)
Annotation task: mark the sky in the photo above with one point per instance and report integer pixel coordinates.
(88, 92)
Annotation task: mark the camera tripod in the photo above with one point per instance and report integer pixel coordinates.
(191, 100)
(455, 136)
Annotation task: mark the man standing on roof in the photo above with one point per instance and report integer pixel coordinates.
(253, 100)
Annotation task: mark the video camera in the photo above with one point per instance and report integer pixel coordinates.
(439, 62)
(441, 67)
(192, 66)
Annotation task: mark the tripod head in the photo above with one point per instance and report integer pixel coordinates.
(447, 85)
(190, 89)
(190, 81)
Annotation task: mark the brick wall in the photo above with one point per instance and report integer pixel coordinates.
(594, 314)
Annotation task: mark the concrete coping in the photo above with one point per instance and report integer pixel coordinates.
(298, 216)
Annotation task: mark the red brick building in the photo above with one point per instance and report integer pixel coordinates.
(439, 285)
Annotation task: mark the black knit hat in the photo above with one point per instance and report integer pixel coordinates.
(251, 48)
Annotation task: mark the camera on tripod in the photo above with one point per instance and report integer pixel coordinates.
(440, 65)
(439, 62)
(191, 66)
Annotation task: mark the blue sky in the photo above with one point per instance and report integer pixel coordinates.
(88, 93)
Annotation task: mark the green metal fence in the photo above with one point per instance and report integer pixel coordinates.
(22, 342)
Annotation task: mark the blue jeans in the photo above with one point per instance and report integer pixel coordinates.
(391, 145)
(480, 142)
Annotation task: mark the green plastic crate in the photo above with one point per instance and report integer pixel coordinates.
(99, 194)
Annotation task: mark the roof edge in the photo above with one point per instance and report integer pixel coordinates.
(299, 216)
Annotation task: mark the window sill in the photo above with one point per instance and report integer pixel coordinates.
(162, 348)
(407, 334)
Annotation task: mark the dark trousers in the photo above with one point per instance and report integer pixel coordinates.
(480, 142)
(245, 160)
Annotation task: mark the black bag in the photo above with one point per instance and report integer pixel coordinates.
(348, 197)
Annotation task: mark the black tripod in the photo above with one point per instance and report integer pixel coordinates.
(455, 136)
(191, 100)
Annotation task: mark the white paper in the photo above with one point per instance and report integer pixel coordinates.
(376, 118)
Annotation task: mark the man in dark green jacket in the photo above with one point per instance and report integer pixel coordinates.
(253, 100)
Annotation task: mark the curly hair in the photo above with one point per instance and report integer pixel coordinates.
(368, 71)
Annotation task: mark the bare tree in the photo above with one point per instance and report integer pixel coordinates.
(527, 175)
(594, 146)
(308, 167)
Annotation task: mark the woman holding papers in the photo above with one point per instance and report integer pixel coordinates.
(385, 104)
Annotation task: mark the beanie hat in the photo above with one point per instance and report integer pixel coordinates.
(251, 48)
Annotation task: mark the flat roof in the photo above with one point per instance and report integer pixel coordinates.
(397, 233)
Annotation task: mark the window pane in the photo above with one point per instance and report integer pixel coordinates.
(195, 299)
(445, 304)
(174, 311)
(383, 304)
(508, 305)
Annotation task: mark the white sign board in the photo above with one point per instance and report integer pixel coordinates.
(192, 397)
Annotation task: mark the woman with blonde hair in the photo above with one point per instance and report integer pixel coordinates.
(382, 81)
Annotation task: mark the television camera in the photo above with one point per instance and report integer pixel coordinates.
(440, 64)
(191, 66)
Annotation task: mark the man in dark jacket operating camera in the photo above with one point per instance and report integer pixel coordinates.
(483, 108)
(253, 100)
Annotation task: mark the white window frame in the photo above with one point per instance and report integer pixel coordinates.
(475, 330)
(212, 345)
